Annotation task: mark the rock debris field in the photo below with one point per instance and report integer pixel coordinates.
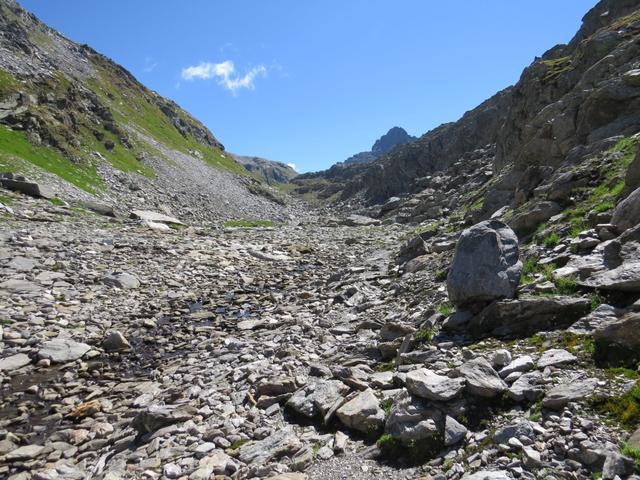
(292, 352)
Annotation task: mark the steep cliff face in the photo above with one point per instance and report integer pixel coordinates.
(573, 97)
(75, 118)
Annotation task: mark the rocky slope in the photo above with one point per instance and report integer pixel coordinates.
(84, 125)
(269, 171)
(567, 102)
(416, 339)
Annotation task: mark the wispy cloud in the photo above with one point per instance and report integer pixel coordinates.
(149, 65)
(292, 165)
(226, 74)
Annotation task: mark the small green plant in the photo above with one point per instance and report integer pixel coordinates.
(248, 223)
(551, 240)
(566, 285)
(441, 275)
(535, 414)
(386, 366)
(388, 445)
(626, 372)
(238, 443)
(424, 335)
(536, 341)
(604, 207)
(446, 309)
(633, 452)
(596, 300)
(386, 405)
(57, 201)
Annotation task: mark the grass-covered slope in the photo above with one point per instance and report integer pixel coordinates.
(67, 109)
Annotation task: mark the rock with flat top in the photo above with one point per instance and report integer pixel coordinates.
(18, 183)
(155, 217)
(362, 413)
(482, 379)
(427, 384)
(60, 350)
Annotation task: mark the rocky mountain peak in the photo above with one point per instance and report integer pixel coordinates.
(394, 137)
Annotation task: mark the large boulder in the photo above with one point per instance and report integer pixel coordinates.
(526, 222)
(486, 264)
(428, 384)
(362, 413)
(482, 379)
(528, 315)
(627, 213)
(21, 184)
(412, 420)
(618, 341)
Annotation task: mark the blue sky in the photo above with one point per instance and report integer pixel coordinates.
(313, 82)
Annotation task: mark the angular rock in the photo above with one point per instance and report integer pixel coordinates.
(318, 398)
(559, 396)
(121, 280)
(411, 420)
(528, 387)
(618, 341)
(115, 342)
(627, 214)
(156, 417)
(520, 364)
(487, 475)
(282, 442)
(27, 452)
(60, 350)
(427, 384)
(454, 432)
(486, 264)
(528, 315)
(155, 217)
(482, 379)
(625, 278)
(555, 357)
(362, 413)
(14, 362)
(20, 184)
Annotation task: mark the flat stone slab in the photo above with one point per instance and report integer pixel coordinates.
(559, 396)
(156, 217)
(14, 362)
(28, 188)
(625, 278)
(482, 379)
(427, 384)
(63, 350)
(555, 357)
(20, 286)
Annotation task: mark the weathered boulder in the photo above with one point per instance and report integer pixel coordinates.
(625, 278)
(411, 420)
(454, 431)
(555, 357)
(482, 379)
(412, 248)
(13, 362)
(627, 213)
(427, 384)
(528, 387)
(618, 341)
(318, 399)
(155, 217)
(486, 264)
(528, 315)
(21, 184)
(527, 222)
(115, 342)
(362, 413)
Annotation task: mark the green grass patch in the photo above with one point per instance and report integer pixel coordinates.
(238, 443)
(57, 202)
(625, 408)
(446, 309)
(551, 240)
(566, 285)
(556, 68)
(15, 149)
(424, 335)
(248, 223)
(632, 452)
(8, 83)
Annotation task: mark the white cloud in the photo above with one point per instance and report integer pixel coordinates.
(292, 165)
(225, 72)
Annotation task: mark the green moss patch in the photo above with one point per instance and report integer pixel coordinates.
(625, 408)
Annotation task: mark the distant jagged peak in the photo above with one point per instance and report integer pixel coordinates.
(395, 137)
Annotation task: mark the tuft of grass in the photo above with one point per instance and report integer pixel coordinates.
(386, 405)
(596, 300)
(625, 408)
(441, 275)
(566, 285)
(446, 309)
(556, 68)
(248, 223)
(424, 335)
(238, 443)
(551, 240)
(57, 201)
(604, 207)
(632, 452)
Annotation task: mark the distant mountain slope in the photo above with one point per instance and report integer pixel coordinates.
(268, 170)
(395, 137)
(565, 102)
(69, 113)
